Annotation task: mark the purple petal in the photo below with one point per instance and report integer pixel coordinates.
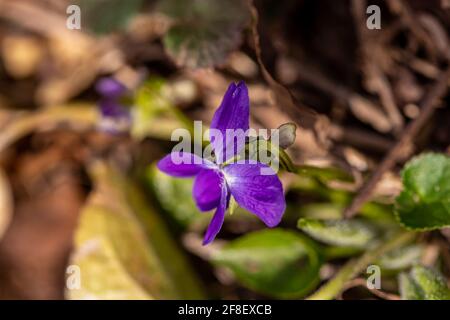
(216, 222)
(207, 189)
(233, 113)
(110, 108)
(182, 164)
(110, 88)
(114, 118)
(259, 194)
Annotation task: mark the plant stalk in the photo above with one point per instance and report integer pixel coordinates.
(352, 268)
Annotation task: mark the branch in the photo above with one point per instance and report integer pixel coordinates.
(428, 107)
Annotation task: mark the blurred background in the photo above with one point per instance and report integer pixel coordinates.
(84, 214)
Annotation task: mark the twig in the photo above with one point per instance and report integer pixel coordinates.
(363, 108)
(428, 106)
(360, 138)
(409, 19)
(379, 293)
(333, 287)
(376, 81)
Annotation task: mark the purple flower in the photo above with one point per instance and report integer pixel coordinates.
(215, 183)
(114, 115)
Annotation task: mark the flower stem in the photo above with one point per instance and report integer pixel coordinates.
(333, 287)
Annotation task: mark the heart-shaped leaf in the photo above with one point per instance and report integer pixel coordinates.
(347, 233)
(204, 32)
(423, 284)
(424, 204)
(275, 262)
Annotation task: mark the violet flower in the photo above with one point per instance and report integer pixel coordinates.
(215, 182)
(115, 117)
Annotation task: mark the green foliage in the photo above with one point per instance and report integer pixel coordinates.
(409, 289)
(155, 113)
(321, 210)
(376, 213)
(401, 258)
(104, 16)
(348, 233)
(174, 196)
(323, 174)
(204, 32)
(424, 204)
(275, 262)
(117, 262)
(423, 284)
(124, 250)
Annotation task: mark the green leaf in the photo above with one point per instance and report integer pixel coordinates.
(124, 250)
(424, 204)
(377, 214)
(321, 211)
(274, 262)
(155, 113)
(112, 253)
(409, 290)
(104, 16)
(117, 263)
(204, 32)
(401, 258)
(174, 260)
(323, 174)
(174, 196)
(347, 233)
(423, 284)
(432, 283)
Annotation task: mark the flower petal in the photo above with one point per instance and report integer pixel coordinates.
(207, 189)
(110, 88)
(216, 222)
(182, 164)
(110, 108)
(233, 113)
(261, 194)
